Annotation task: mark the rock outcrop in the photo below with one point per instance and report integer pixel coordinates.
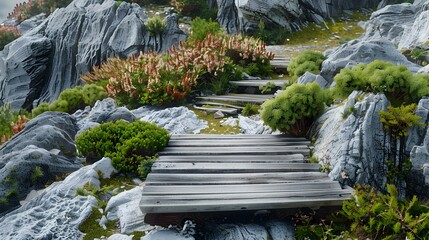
(177, 120)
(244, 16)
(42, 151)
(51, 57)
(403, 24)
(102, 112)
(353, 146)
(363, 51)
(56, 212)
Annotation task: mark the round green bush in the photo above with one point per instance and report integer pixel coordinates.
(59, 106)
(43, 107)
(294, 110)
(127, 144)
(91, 93)
(308, 61)
(74, 99)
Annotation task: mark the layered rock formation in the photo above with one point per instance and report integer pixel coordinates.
(52, 56)
(244, 16)
(42, 151)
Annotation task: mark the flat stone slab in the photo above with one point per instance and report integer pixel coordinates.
(239, 98)
(257, 83)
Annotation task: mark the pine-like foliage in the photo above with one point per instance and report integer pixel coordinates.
(294, 110)
(308, 61)
(396, 82)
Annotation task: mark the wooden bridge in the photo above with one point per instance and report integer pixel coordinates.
(197, 176)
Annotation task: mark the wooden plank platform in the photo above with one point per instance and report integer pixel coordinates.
(239, 98)
(199, 174)
(257, 83)
(225, 110)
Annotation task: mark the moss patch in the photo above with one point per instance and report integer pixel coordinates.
(214, 125)
(92, 228)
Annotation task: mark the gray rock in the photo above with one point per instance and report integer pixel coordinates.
(17, 172)
(237, 232)
(362, 51)
(244, 16)
(250, 126)
(31, 23)
(280, 230)
(50, 130)
(56, 213)
(309, 77)
(353, 145)
(102, 112)
(164, 234)
(50, 58)
(177, 120)
(218, 114)
(233, 122)
(125, 208)
(403, 24)
(118, 236)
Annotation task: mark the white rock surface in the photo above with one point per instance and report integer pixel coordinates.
(118, 236)
(56, 212)
(177, 120)
(353, 145)
(280, 230)
(250, 126)
(125, 208)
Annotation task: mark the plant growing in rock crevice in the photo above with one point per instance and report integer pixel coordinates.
(308, 61)
(156, 28)
(396, 123)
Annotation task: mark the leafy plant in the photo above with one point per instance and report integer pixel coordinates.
(127, 144)
(200, 27)
(11, 122)
(269, 87)
(250, 109)
(294, 110)
(375, 215)
(36, 174)
(308, 61)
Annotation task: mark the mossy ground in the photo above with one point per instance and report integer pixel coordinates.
(91, 227)
(214, 125)
(322, 37)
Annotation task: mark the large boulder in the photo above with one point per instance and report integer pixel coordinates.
(353, 146)
(42, 151)
(244, 16)
(403, 24)
(56, 212)
(50, 58)
(363, 51)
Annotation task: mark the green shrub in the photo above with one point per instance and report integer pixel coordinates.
(195, 8)
(250, 109)
(201, 27)
(374, 215)
(91, 93)
(43, 107)
(74, 99)
(7, 35)
(268, 88)
(11, 122)
(396, 82)
(294, 110)
(59, 106)
(156, 25)
(127, 144)
(308, 61)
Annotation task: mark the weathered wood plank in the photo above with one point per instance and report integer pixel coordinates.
(233, 178)
(238, 99)
(163, 167)
(235, 150)
(226, 143)
(243, 201)
(219, 104)
(229, 111)
(238, 137)
(235, 158)
(257, 83)
(240, 188)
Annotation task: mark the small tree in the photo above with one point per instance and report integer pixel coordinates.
(156, 27)
(295, 109)
(396, 122)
